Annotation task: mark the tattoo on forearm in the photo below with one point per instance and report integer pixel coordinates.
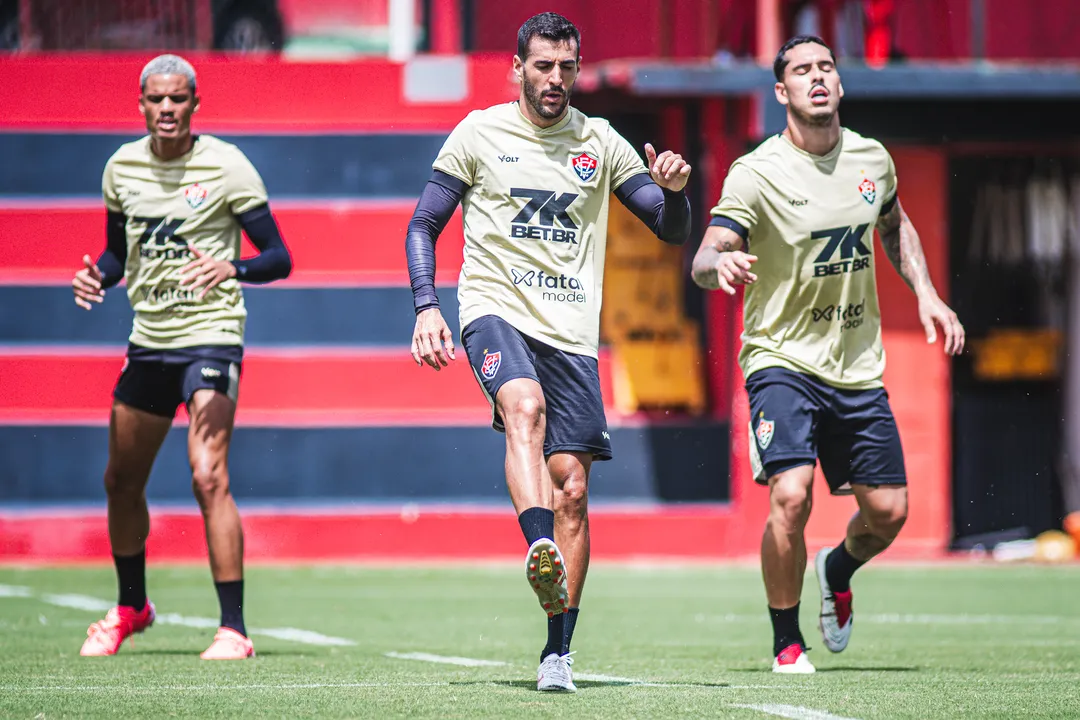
(704, 266)
(903, 248)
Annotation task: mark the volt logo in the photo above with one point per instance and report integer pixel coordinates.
(844, 253)
(548, 208)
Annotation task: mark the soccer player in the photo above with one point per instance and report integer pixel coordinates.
(804, 204)
(176, 204)
(535, 177)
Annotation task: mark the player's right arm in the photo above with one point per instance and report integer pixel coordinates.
(93, 279)
(721, 262)
(431, 335)
(453, 172)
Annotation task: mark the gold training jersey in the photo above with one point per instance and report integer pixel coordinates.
(170, 206)
(814, 307)
(535, 218)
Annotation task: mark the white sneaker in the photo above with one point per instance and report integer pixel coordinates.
(792, 660)
(546, 572)
(837, 616)
(554, 674)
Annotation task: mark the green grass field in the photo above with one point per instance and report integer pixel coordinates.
(930, 642)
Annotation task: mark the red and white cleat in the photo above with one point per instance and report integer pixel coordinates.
(545, 570)
(229, 645)
(792, 660)
(837, 616)
(106, 636)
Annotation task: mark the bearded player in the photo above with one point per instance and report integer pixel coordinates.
(534, 177)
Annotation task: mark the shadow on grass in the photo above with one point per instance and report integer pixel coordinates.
(587, 684)
(837, 668)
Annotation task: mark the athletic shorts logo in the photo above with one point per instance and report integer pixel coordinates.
(585, 165)
(868, 190)
(491, 364)
(764, 431)
(195, 195)
(209, 372)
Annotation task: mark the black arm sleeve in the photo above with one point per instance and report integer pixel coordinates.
(726, 222)
(112, 261)
(436, 206)
(666, 213)
(273, 261)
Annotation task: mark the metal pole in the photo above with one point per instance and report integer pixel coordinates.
(402, 18)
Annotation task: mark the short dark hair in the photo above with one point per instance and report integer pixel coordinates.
(781, 62)
(550, 26)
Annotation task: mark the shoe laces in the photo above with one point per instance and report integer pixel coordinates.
(561, 661)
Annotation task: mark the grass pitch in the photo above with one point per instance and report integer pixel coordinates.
(942, 641)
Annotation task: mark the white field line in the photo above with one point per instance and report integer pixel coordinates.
(445, 659)
(92, 604)
(795, 712)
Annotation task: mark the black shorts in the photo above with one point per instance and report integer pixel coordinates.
(499, 353)
(797, 419)
(158, 381)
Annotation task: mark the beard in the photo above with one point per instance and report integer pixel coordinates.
(812, 119)
(536, 101)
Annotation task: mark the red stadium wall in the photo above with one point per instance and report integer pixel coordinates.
(252, 95)
(276, 96)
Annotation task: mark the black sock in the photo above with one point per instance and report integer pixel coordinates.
(839, 567)
(556, 632)
(131, 576)
(231, 596)
(560, 633)
(536, 523)
(785, 625)
(568, 629)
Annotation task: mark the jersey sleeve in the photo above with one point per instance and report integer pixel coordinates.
(738, 203)
(457, 157)
(244, 188)
(625, 162)
(108, 188)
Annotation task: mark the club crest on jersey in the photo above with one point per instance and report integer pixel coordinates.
(491, 364)
(764, 431)
(868, 190)
(585, 165)
(195, 195)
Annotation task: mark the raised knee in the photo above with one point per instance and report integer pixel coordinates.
(886, 518)
(524, 413)
(209, 480)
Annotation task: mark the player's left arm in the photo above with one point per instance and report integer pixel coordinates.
(272, 263)
(904, 249)
(247, 200)
(655, 195)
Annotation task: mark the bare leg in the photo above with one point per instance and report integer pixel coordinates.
(520, 403)
(134, 440)
(783, 547)
(882, 512)
(208, 449)
(570, 478)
